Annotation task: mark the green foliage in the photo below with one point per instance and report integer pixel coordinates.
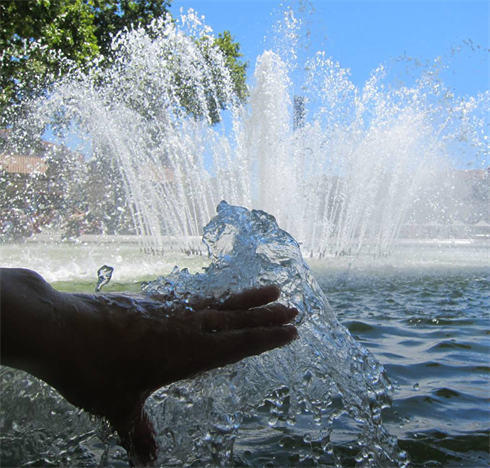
(64, 25)
(217, 97)
(112, 16)
(220, 90)
(34, 36)
(41, 39)
(231, 52)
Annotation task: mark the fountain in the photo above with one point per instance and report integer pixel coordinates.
(340, 168)
(344, 178)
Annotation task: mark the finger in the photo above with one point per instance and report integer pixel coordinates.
(273, 315)
(210, 351)
(250, 298)
(232, 346)
(137, 435)
(246, 299)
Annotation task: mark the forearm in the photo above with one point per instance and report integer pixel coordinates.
(68, 340)
(34, 322)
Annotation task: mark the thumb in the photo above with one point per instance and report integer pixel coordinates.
(137, 435)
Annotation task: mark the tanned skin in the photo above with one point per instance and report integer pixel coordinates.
(106, 353)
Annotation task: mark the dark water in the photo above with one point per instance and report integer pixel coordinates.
(430, 329)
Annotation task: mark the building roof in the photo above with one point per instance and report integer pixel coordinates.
(32, 161)
(20, 164)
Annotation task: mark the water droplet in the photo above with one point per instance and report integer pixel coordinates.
(104, 275)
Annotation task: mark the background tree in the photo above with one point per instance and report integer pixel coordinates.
(113, 16)
(40, 40)
(43, 40)
(36, 39)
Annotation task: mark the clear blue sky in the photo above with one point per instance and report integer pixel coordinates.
(361, 35)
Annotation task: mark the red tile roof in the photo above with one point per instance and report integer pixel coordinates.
(19, 164)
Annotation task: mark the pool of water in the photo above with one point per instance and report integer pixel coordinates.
(424, 314)
(431, 331)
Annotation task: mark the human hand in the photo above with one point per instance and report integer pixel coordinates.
(131, 347)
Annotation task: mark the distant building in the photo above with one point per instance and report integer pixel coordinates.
(20, 164)
(473, 174)
(33, 188)
(32, 162)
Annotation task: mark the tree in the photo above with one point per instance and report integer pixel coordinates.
(40, 40)
(112, 16)
(231, 54)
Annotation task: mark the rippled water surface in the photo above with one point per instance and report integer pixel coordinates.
(429, 325)
(431, 331)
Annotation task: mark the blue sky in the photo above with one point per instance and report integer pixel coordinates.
(361, 35)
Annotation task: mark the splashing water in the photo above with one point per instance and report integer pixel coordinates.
(306, 386)
(317, 400)
(104, 276)
(342, 172)
(341, 176)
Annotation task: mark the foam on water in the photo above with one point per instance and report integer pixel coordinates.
(79, 262)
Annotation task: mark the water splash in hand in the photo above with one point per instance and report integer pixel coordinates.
(323, 378)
